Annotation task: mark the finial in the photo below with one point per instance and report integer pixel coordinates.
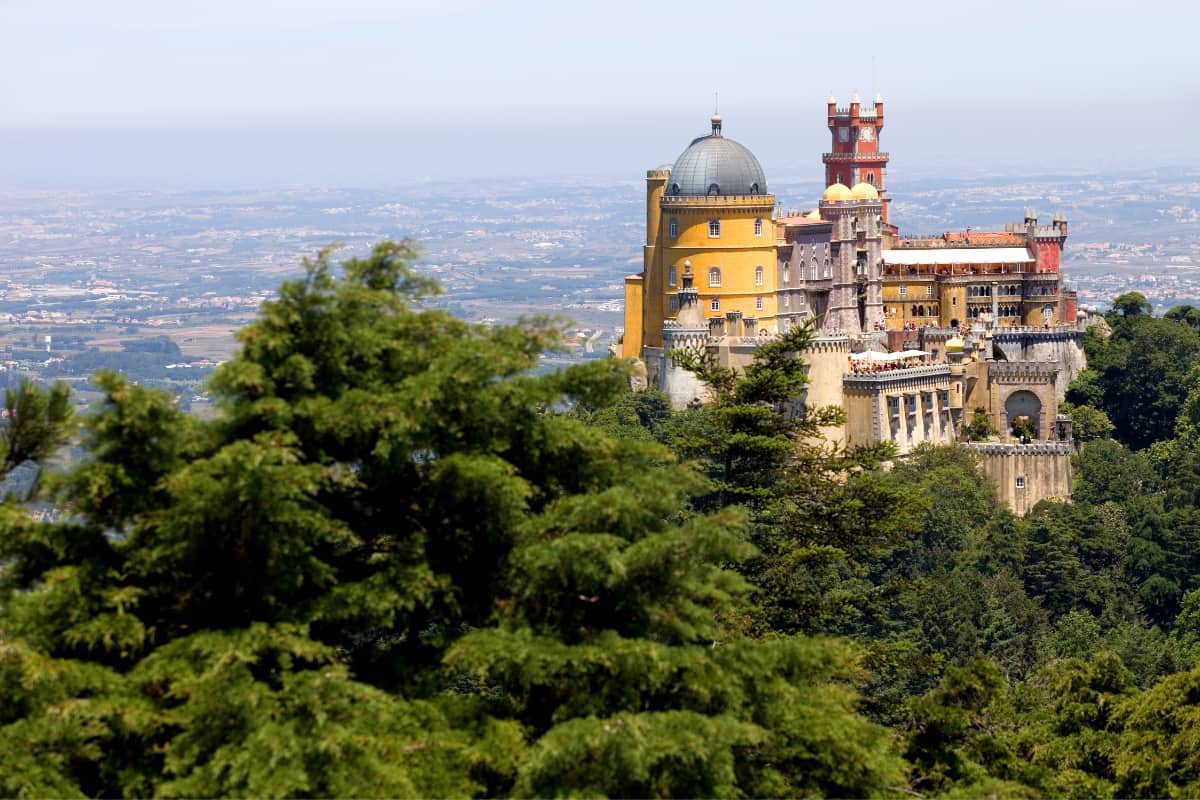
(832, 99)
(878, 98)
(855, 98)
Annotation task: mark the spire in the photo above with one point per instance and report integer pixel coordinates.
(878, 98)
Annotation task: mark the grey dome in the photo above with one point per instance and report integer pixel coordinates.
(716, 165)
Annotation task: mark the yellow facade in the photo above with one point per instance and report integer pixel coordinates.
(631, 340)
(736, 267)
(651, 309)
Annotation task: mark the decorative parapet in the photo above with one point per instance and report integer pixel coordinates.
(1020, 371)
(897, 378)
(1028, 333)
(718, 200)
(1017, 449)
(854, 156)
(830, 343)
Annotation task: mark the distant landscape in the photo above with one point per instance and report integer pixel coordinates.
(102, 279)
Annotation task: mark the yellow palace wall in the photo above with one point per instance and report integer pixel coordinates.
(737, 252)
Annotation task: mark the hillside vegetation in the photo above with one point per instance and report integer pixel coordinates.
(401, 563)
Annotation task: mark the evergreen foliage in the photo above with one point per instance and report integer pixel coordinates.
(401, 563)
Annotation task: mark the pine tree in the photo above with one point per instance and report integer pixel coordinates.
(395, 564)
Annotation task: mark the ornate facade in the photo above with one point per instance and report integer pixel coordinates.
(723, 270)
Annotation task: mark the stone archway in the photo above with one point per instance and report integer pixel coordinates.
(1023, 404)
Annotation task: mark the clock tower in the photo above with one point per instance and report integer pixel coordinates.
(855, 156)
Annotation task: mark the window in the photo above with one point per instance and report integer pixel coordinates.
(1020, 481)
(714, 276)
(870, 177)
(714, 304)
(787, 274)
(672, 275)
(674, 304)
(713, 189)
(929, 290)
(674, 226)
(758, 226)
(758, 276)
(903, 290)
(758, 303)
(714, 228)
(785, 301)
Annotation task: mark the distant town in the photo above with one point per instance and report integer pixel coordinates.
(156, 283)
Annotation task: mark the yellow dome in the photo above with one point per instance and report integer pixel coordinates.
(954, 344)
(864, 191)
(814, 214)
(837, 193)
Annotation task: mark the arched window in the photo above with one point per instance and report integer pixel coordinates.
(672, 275)
(787, 274)
(713, 189)
(674, 227)
(674, 188)
(757, 224)
(754, 188)
(714, 228)
(758, 276)
(714, 276)
(870, 177)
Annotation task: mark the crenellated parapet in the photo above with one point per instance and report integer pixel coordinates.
(1017, 449)
(1023, 371)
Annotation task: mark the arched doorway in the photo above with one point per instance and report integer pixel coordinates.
(1023, 410)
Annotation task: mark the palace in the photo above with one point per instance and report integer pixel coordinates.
(911, 330)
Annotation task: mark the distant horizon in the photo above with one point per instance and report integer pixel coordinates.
(226, 93)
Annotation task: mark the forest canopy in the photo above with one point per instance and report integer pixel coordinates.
(401, 561)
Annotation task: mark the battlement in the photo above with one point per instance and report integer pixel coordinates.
(829, 343)
(1023, 371)
(657, 174)
(865, 111)
(1044, 448)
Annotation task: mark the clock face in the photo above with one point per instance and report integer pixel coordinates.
(866, 134)
(843, 134)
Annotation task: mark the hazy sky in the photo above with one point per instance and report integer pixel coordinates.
(351, 91)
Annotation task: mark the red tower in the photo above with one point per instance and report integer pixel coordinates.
(856, 156)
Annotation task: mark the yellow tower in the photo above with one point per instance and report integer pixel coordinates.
(712, 209)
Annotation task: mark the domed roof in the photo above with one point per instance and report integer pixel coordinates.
(954, 344)
(864, 191)
(715, 165)
(836, 193)
(814, 214)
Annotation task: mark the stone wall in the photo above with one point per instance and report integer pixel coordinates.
(1063, 345)
(1026, 474)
